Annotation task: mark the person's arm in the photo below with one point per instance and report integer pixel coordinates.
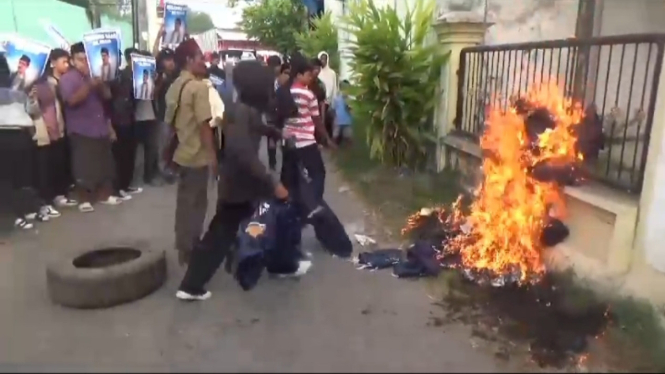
(158, 41)
(315, 112)
(73, 89)
(104, 91)
(202, 115)
(238, 146)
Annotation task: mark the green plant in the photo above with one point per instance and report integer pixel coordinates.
(322, 37)
(396, 73)
(275, 23)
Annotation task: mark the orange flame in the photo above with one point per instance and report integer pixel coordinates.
(510, 208)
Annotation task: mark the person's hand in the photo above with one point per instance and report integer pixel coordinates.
(281, 192)
(113, 135)
(33, 92)
(96, 82)
(331, 145)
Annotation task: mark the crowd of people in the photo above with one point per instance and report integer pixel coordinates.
(81, 148)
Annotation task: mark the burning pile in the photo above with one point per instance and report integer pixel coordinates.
(530, 153)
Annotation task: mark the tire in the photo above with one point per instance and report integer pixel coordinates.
(84, 281)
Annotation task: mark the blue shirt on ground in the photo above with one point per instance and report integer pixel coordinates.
(342, 115)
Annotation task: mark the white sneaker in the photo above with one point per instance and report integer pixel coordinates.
(86, 208)
(111, 200)
(124, 195)
(64, 201)
(303, 268)
(39, 216)
(134, 190)
(47, 210)
(182, 295)
(23, 224)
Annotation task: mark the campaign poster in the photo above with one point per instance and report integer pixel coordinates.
(26, 59)
(143, 70)
(55, 34)
(175, 24)
(102, 48)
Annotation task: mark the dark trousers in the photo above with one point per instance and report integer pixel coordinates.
(191, 206)
(124, 153)
(210, 252)
(329, 119)
(146, 133)
(52, 171)
(271, 146)
(310, 157)
(17, 195)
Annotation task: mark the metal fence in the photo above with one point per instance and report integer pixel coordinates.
(617, 76)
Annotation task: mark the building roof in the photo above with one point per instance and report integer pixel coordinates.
(232, 34)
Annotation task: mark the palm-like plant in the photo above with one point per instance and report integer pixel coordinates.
(395, 74)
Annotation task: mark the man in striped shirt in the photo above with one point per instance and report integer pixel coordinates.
(302, 128)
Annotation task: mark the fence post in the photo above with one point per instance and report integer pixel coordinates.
(455, 31)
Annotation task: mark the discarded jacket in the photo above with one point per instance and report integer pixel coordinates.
(421, 261)
(330, 232)
(269, 240)
(380, 259)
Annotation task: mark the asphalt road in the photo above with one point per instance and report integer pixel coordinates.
(336, 318)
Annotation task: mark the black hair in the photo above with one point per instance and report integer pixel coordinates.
(104, 50)
(178, 20)
(129, 51)
(214, 55)
(285, 66)
(300, 65)
(317, 62)
(25, 58)
(56, 54)
(5, 82)
(76, 48)
(146, 72)
(254, 84)
(274, 61)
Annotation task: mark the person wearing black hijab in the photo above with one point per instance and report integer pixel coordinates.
(243, 179)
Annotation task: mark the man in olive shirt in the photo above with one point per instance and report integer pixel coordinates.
(188, 110)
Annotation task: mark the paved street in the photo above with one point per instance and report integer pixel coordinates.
(334, 319)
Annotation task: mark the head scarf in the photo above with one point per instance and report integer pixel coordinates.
(329, 78)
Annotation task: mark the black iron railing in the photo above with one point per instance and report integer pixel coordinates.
(617, 76)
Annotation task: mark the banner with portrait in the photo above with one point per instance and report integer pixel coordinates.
(102, 48)
(27, 60)
(143, 69)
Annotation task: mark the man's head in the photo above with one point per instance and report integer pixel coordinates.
(105, 56)
(128, 55)
(316, 67)
(165, 60)
(214, 59)
(188, 56)
(275, 63)
(146, 75)
(178, 24)
(79, 60)
(284, 73)
(59, 61)
(302, 72)
(323, 56)
(23, 64)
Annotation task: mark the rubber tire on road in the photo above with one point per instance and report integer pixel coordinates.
(89, 288)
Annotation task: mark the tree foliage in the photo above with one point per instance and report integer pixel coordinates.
(198, 22)
(275, 23)
(321, 37)
(395, 71)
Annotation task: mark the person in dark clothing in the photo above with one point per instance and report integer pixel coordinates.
(166, 74)
(275, 64)
(319, 89)
(214, 68)
(243, 179)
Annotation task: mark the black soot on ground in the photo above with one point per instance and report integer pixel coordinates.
(552, 317)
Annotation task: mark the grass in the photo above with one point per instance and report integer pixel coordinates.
(635, 341)
(393, 192)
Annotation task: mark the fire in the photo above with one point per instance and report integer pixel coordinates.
(511, 207)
